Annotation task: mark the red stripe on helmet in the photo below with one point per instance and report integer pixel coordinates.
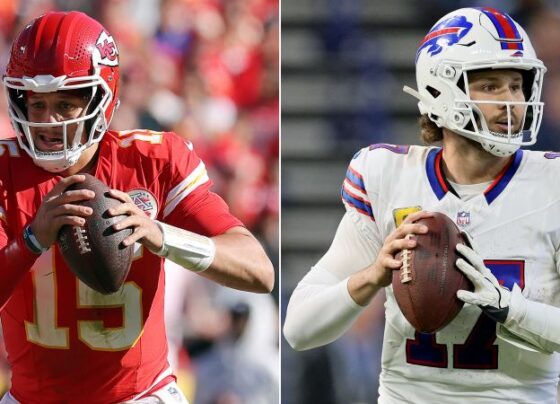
(506, 25)
(439, 32)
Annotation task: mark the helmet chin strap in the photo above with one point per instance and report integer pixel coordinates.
(499, 149)
(57, 166)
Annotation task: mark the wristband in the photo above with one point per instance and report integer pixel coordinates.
(188, 249)
(31, 241)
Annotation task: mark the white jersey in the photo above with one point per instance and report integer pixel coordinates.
(515, 224)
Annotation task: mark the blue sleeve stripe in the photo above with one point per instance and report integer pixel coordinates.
(356, 179)
(359, 204)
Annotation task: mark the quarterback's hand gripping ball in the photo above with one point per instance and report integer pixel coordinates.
(94, 251)
(488, 294)
(426, 285)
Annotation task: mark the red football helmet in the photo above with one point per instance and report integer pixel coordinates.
(63, 51)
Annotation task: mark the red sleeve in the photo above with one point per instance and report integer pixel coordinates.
(189, 203)
(207, 214)
(15, 261)
(15, 258)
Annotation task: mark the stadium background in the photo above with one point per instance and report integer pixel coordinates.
(343, 68)
(208, 70)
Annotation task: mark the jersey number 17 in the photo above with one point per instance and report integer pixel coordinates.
(478, 351)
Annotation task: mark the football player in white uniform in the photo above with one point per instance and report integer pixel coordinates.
(479, 86)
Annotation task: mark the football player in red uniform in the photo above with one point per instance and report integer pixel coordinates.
(66, 342)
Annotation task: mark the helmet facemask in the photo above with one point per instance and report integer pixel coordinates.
(468, 120)
(92, 121)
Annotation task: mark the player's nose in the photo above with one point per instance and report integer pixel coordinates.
(47, 115)
(53, 117)
(509, 98)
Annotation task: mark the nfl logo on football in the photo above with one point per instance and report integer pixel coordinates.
(463, 218)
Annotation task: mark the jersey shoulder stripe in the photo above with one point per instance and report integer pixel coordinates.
(355, 178)
(353, 193)
(195, 179)
(357, 202)
(365, 173)
(9, 147)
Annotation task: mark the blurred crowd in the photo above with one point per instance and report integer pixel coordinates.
(209, 71)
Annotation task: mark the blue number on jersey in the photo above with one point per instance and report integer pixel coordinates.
(478, 351)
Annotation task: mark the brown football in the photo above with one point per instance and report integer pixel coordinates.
(426, 285)
(95, 252)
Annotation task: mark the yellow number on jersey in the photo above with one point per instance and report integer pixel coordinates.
(44, 329)
(129, 136)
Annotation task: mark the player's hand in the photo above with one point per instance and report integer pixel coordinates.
(58, 209)
(145, 230)
(488, 294)
(386, 262)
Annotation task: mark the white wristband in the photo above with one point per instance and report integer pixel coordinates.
(188, 249)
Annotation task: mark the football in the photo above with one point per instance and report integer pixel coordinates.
(94, 252)
(426, 285)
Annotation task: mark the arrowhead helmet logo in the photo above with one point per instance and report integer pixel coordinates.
(106, 52)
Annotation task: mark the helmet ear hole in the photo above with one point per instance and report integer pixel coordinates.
(436, 119)
(435, 93)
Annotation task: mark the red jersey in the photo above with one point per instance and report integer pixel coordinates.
(67, 343)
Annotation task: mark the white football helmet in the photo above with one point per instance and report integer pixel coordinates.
(477, 39)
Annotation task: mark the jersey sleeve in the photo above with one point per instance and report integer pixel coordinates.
(321, 309)
(535, 323)
(15, 258)
(354, 193)
(189, 202)
(358, 195)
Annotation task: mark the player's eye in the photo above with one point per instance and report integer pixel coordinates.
(66, 106)
(67, 109)
(37, 105)
(489, 87)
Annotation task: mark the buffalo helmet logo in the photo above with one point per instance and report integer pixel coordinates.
(446, 33)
